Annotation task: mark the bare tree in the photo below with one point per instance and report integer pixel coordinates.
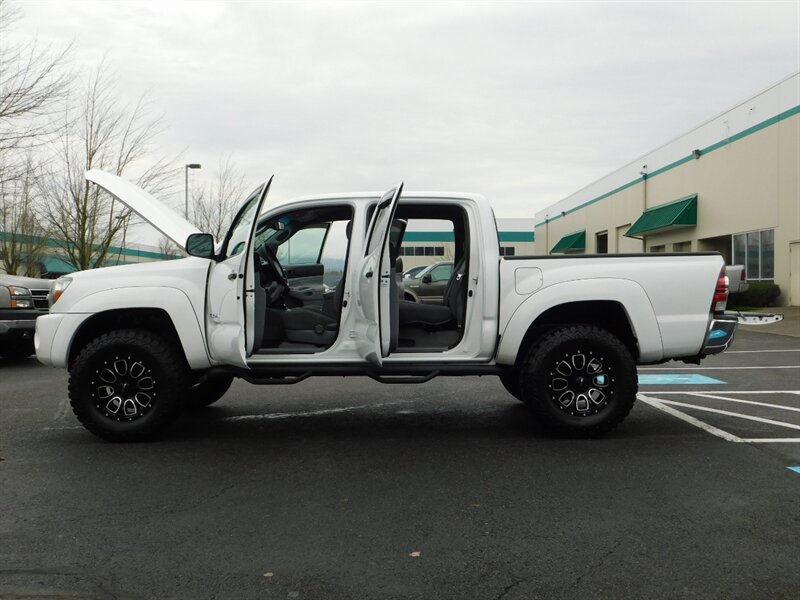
(215, 205)
(168, 248)
(100, 132)
(33, 82)
(23, 239)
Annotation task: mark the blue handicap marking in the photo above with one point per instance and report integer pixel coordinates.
(677, 379)
(795, 469)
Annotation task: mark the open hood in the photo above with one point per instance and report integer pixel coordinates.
(155, 212)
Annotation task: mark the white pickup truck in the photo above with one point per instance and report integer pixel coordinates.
(310, 288)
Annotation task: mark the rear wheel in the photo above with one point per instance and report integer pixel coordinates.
(127, 385)
(208, 391)
(579, 381)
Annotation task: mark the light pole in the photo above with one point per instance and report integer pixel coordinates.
(186, 200)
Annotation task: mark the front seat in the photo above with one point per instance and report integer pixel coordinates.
(316, 325)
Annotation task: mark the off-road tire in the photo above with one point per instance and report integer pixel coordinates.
(207, 391)
(579, 381)
(510, 380)
(128, 385)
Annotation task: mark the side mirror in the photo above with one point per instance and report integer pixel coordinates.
(427, 278)
(200, 244)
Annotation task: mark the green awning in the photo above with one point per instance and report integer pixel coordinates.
(52, 265)
(675, 215)
(572, 242)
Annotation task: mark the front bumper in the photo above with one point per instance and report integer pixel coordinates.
(17, 326)
(720, 334)
(15, 322)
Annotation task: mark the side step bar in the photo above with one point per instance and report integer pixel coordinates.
(395, 373)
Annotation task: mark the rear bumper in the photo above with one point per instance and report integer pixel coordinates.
(720, 334)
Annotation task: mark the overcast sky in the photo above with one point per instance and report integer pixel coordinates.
(523, 102)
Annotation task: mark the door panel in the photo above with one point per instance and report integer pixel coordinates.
(373, 292)
(231, 317)
(295, 271)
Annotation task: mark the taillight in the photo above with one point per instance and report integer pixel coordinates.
(720, 292)
(744, 276)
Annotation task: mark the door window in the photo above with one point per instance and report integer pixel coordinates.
(304, 247)
(240, 228)
(441, 273)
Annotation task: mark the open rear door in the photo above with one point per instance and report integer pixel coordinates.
(375, 282)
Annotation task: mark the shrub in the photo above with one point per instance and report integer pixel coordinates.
(760, 293)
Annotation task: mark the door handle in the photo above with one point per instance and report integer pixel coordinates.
(368, 274)
(232, 276)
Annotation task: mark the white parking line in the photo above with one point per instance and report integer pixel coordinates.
(659, 404)
(767, 404)
(772, 440)
(728, 393)
(732, 414)
(715, 368)
(312, 413)
(662, 405)
(758, 351)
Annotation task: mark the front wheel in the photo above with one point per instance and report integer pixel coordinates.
(579, 381)
(127, 385)
(510, 380)
(208, 391)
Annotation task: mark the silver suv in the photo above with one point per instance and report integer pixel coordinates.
(22, 299)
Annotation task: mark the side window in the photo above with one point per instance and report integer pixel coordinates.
(304, 247)
(441, 272)
(240, 228)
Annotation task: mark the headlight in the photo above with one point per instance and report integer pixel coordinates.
(57, 288)
(20, 297)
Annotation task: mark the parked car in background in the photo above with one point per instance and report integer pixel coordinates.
(737, 278)
(414, 271)
(429, 284)
(22, 299)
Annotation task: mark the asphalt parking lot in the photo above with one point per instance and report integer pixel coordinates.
(344, 488)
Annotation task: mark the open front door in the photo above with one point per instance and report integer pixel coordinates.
(375, 282)
(232, 308)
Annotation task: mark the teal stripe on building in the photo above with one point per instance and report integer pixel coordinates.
(447, 236)
(688, 158)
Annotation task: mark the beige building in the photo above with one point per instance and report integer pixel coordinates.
(430, 241)
(731, 185)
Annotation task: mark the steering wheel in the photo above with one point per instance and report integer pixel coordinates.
(272, 261)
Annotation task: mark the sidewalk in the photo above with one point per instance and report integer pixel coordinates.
(789, 326)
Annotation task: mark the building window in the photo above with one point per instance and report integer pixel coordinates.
(660, 248)
(601, 242)
(422, 251)
(507, 250)
(756, 251)
(682, 247)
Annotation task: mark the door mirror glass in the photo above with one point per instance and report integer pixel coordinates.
(200, 244)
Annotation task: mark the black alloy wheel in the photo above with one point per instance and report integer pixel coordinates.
(579, 380)
(128, 385)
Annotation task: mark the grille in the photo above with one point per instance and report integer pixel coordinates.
(40, 299)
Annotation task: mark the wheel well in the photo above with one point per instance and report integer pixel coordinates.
(151, 319)
(607, 314)
(409, 296)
